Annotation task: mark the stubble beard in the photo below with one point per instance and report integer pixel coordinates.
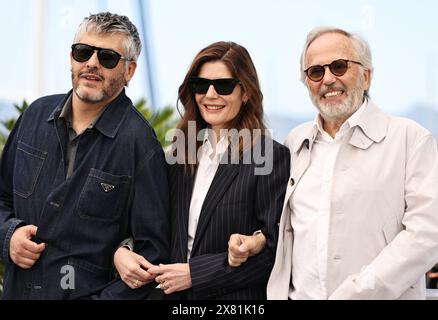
(96, 96)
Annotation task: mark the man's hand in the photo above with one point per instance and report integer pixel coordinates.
(132, 268)
(241, 247)
(22, 250)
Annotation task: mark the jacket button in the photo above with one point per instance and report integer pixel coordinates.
(29, 285)
(56, 205)
(292, 182)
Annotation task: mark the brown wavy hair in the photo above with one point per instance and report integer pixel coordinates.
(240, 64)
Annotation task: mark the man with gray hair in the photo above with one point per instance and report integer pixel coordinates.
(360, 218)
(81, 172)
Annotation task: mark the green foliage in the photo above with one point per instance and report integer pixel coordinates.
(2, 141)
(10, 123)
(161, 120)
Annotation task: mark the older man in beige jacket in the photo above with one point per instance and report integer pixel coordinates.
(360, 216)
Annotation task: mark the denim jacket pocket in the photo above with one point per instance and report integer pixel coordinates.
(103, 196)
(28, 164)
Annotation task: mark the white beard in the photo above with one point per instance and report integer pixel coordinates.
(341, 111)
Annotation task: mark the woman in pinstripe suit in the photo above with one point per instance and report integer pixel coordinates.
(230, 181)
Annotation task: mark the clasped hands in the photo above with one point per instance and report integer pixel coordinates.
(135, 271)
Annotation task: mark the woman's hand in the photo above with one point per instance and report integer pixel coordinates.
(172, 277)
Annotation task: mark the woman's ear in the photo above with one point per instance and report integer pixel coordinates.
(245, 99)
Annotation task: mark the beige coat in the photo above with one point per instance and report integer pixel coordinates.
(383, 233)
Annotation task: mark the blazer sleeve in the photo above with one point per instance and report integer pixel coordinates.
(211, 273)
(414, 250)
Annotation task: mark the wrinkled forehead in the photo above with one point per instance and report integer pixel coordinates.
(328, 47)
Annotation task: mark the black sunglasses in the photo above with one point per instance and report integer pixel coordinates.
(222, 86)
(338, 68)
(107, 58)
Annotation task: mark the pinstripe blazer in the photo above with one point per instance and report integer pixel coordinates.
(238, 201)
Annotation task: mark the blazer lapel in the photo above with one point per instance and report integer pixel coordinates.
(186, 182)
(224, 176)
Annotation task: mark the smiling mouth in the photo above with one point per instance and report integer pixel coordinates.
(332, 94)
(213, 107)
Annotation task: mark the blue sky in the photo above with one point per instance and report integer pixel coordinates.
(402, 35)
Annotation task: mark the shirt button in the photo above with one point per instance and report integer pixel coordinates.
(337, 257)
(292, 182)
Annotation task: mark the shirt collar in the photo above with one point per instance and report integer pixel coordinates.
(351, 122)
(210, 146)
(66, 110)
(371, 123)
(66, 113)
(109, 122)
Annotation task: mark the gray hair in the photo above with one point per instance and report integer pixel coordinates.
(360, 45)
(109, 23)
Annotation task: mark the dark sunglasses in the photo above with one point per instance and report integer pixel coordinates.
(222, 86)
(338, 68)
(107, 58)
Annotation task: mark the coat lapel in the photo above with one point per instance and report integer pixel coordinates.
(300, 160)
(224, 176)
(371, 127)
(299, 165)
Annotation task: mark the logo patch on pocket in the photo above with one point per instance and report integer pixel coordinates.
(106, 187)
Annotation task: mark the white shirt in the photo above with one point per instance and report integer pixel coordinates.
(210, 156)
(310, 218)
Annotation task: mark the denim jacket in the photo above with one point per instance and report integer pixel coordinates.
(118, 188)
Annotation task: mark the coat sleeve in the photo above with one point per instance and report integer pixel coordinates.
(211, 274)
(149, 224)
(414, 250)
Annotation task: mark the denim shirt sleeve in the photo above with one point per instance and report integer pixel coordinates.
(150, 226)
(11, 226)
(8, 222)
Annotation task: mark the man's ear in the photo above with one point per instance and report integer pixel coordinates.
(367, 76)
(130, 71)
